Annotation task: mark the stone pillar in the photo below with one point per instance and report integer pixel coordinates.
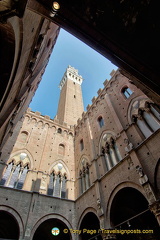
(155, 112)
(113, 155)
(108, 156)
(144, 128)
(84, 180)
(43, 186)
(152, 122)
(80, 183)
(155, 209)
(108, 161)
(87, 178)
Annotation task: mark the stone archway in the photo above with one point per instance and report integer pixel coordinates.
(44, 230)
(89, 227)
(129, 211)
(7, 49)
(9, 228)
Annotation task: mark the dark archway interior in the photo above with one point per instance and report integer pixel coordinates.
(157, 178)
(90, 222)
(44, 230)
(9, 228)
(7, 51)
(128, 203)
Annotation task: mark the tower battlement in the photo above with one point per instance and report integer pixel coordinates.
(72, 74)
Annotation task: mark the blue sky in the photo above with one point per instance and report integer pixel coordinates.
(68, 50)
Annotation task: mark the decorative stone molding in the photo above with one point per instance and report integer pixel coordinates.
(143, 180)
(155, 208)
(128, 146)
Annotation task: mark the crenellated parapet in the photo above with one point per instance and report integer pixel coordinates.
(108, 85)
(42, 121)
(72, 74)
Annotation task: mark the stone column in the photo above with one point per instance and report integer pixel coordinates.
(119, 157)
(87, 177)
(155, 112)
(108, 161)
(155, 209)
(143, 127)
(84, 180)
(113, 155)
(80, 183)
(107, 155)
(152, 122)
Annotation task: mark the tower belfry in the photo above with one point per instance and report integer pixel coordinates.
(70, 106)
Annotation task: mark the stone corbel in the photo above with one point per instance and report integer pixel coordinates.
(143, 180)
(99, 206)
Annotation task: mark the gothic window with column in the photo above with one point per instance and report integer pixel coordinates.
(57, 182)
(84, 178)
(14, 175)
(147, 119)
(110, 151)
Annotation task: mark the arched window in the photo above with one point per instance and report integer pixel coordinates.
(57, 185)
(81, 144)
(57, 182)
(14, 176)
(84, 177)
(110, 151)
(147, 120)
(127, 92)
(61, 149)
(23, 136)
(22, 177)
(100, 121)
(59, 130)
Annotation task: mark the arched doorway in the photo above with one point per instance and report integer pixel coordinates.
(9, 228)
(89, 227)
(129, 211)
(44, 231)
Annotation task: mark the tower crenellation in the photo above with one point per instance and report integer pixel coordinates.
(72, 74)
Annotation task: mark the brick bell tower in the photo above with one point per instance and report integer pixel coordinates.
(70, 107)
